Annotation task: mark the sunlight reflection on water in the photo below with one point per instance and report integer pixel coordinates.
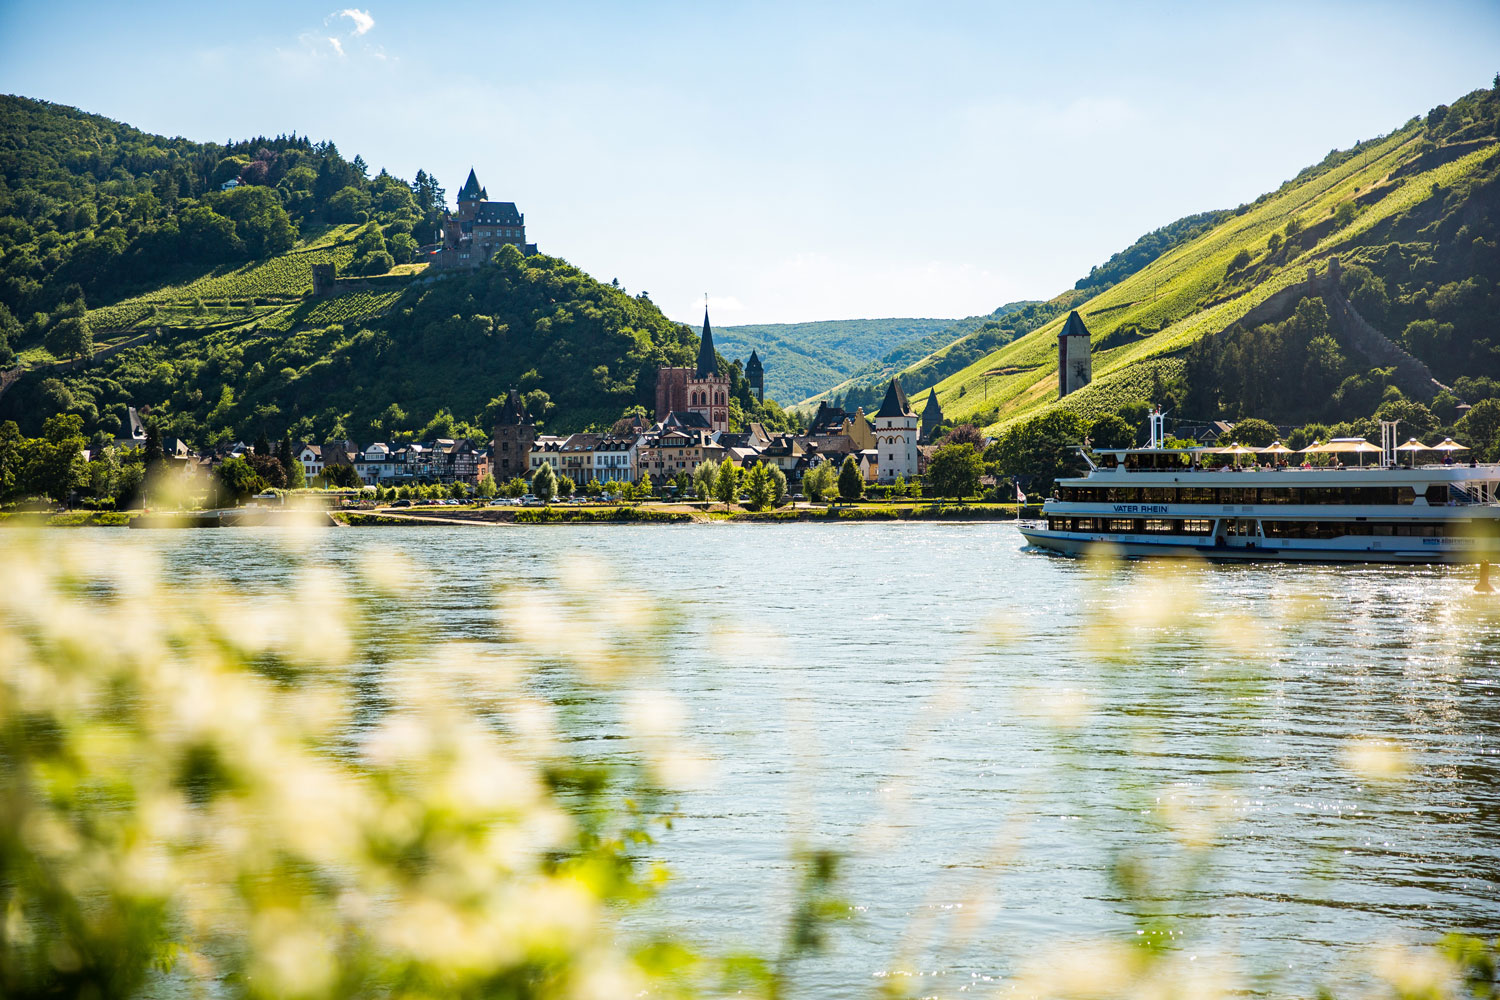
(984, 728)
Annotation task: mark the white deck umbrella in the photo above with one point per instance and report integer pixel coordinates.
(1344, 446)
(1449, 445)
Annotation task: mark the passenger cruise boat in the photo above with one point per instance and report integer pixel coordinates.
(1159, 501)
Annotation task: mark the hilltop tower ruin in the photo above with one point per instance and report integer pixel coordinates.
(1074, 366)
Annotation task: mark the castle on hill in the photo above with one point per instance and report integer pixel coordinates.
(479, 228)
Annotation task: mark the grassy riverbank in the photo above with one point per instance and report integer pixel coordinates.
(68, 518)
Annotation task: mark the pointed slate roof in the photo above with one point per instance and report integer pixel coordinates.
(753, 366)
(514, 411)
(708, 362)
(933, 407)
(1074, 326)
(895, 404)
(471, 191)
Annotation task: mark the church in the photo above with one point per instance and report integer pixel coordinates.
(479, 228)
(699, 389)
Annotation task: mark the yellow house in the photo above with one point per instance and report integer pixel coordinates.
(858, 430)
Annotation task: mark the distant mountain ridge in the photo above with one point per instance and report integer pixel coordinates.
(803, 359)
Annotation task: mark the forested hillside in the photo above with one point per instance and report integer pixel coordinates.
(1209, 328)
(804, 359)
(120, 249)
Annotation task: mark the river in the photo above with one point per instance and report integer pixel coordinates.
(1303, 756)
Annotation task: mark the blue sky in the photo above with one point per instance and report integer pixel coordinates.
(797, 161)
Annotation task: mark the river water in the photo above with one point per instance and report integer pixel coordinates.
(1281, 764)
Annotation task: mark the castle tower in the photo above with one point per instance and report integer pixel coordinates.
(469, 196)
(515, 432)
(1074, 366)
(756, 375)
(932, 415)
(896, 435)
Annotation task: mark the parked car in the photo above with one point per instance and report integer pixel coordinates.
(798, 498)
(401, 503)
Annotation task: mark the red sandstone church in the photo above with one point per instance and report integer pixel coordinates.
(700, 389)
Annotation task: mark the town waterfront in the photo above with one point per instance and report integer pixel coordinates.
(996, 737)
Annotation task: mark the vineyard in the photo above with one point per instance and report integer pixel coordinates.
(245, 291)
(1194, 290)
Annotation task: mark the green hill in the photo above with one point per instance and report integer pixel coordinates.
(925, 362)
(122, 248)
(1413, 217)
(804, 359)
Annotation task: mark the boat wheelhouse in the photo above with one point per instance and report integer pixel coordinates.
(1171, 501)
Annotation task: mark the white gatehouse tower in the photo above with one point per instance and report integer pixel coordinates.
(896, 435)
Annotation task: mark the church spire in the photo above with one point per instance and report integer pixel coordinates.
(708, 362)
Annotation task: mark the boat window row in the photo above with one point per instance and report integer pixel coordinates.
(1133, 525)
(1352, 495)
(1271, 529)
(1337, 529)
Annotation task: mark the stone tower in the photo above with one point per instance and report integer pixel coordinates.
(514, 433)
(1074, 366)
(932, 415)
(896, 435)
(756, 375)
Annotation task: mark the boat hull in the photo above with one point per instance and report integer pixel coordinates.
(1353, 549)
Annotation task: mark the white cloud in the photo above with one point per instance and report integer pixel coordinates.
(338, 46)
(363, 22)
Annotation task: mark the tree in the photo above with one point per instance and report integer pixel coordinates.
(758, 487)
(1413, 419)
(684, 484)
(1111, 431)
(818, 481)
(593, 488)
(777, 479)
(726, 483)
(349, 205)
(851, 483)
(954, 471)
(70, 337)
(564, 486)
(1253, 432)
(270, 469)
(965, 433)
(645, 489)
(1042, 449)
(296, 476)
(487, 487)
(237, 481)
(1481, 426)
(705, 474)
(53, 463)
(544, 483)
(343, 476)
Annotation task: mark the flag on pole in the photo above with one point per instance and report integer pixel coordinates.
(1020, 497)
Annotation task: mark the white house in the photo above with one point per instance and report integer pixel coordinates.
(615, 458)
(378, 464)
(311, 457)
(896, 436)
(546, 448)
